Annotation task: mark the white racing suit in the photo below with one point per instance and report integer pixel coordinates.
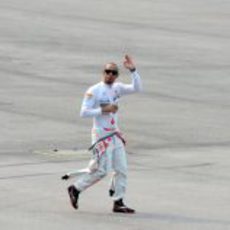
(110, 154)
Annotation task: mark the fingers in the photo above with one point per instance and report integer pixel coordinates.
(115, 108)
(128, 58)
(110, 108)
(128, 62)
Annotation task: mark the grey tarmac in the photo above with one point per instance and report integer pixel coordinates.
(177, 130)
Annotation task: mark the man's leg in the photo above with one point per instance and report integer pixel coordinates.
(119, 180)
(89, 178)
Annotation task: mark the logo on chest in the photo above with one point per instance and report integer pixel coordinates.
(109, 97)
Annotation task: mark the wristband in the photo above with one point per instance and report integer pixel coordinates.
(132, 70)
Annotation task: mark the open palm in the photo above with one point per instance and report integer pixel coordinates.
(128, 63)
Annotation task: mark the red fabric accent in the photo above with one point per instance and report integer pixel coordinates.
(112, 121)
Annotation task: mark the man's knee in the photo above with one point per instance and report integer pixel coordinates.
(121, 169)
(120, 173)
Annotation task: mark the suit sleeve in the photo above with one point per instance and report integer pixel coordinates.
(88, 105)
(135, 86)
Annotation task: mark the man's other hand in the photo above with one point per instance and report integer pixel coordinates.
(110, 108)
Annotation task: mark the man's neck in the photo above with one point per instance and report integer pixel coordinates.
(107, 85)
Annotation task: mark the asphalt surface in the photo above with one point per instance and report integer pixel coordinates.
(177, 129)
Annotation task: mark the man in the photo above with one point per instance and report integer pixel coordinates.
(101, 103)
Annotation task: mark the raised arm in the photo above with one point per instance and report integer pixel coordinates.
(136, 85)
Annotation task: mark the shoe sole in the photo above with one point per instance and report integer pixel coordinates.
(125, 211)
(72, 199)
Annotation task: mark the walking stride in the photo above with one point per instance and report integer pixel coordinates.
(101, 103)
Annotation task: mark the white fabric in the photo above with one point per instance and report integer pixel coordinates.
(102, 93)
(114, 158)
(103, 124)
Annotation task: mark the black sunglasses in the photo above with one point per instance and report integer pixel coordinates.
(113, 72)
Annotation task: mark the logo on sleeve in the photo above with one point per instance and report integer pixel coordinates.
(88, 95)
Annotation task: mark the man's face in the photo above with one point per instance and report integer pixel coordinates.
(110, 73)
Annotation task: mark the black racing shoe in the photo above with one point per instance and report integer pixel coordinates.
(73, 195)
(121, 208)
(65, 177)
(111, 192)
